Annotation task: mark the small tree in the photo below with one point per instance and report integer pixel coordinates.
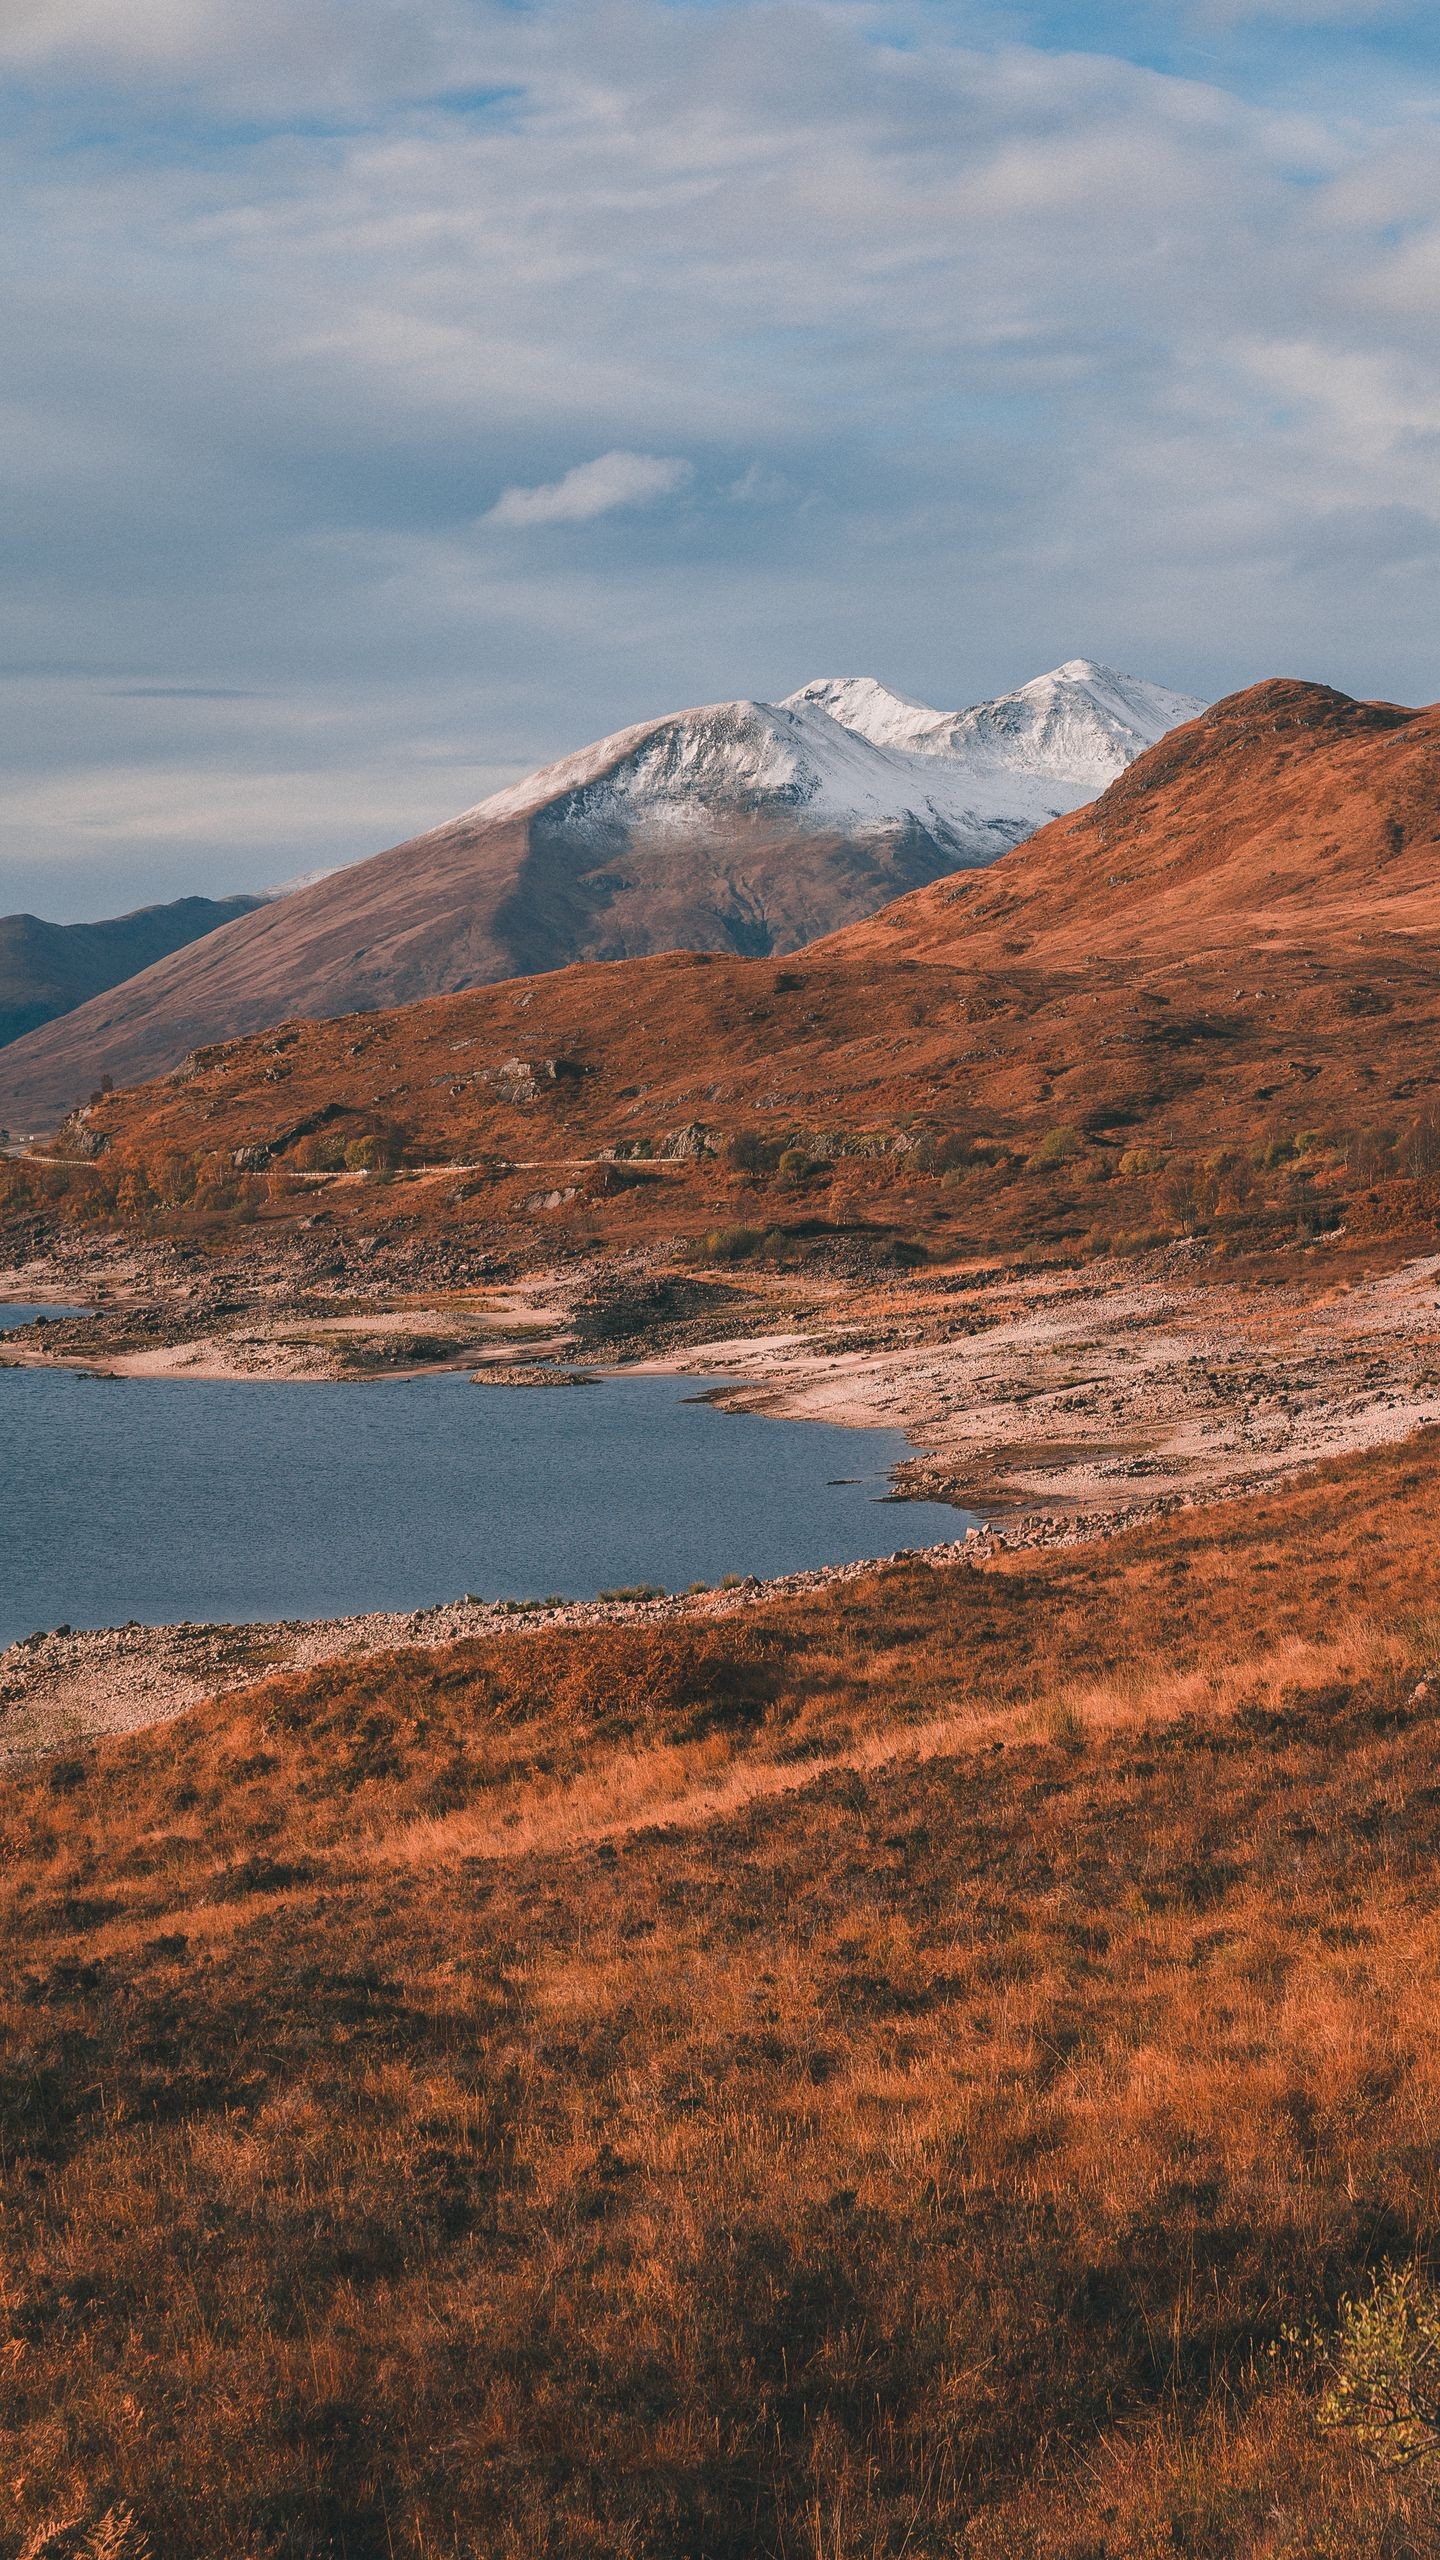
(377, 1153)
(318, 1155)
(747, 1152)
(1385, 2371)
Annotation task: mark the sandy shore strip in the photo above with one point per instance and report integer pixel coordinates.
(287, 1344)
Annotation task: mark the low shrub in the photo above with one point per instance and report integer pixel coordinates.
(733, 1244)
(1057, 1147)
(1384, 2383)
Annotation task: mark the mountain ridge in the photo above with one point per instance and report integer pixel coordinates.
(1081, 723)
(1140, 1013)
(48, 970)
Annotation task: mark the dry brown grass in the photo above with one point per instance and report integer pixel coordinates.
(851, 2079)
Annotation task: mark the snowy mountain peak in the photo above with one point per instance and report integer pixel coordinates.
(848, 755)
(1080, 722)
(871, 709)
(1083, 722)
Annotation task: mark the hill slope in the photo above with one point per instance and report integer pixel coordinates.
(906, 2055)
(745, 827)
(49, 969)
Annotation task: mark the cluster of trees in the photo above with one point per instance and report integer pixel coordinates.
(202, 1180)
(97, 1193)
(1283, 1181)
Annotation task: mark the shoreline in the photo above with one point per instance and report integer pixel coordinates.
(137, 1676)
(1059, 1390)
(1061, 1405)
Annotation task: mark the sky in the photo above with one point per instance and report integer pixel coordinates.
(396, 394)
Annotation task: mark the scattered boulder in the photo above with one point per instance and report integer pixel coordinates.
(525, 1079)
(79, 1139)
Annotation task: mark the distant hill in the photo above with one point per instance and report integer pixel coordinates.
(48, 969)
(741, 827)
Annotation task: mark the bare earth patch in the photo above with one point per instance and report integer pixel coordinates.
(1092, 1394)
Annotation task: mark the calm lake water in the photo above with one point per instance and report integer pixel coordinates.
(164, 1499)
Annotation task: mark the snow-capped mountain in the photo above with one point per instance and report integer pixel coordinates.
(846, 754)
(766, 762)
(869, 708)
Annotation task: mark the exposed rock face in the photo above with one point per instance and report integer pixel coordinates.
(687, 1145)
(78, 1138)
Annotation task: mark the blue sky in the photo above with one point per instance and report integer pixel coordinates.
(395, 397)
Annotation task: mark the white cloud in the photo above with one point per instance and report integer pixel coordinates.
(594, 489)
(281, 57)
(144, 31)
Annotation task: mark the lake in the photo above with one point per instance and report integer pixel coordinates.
(166, 1499)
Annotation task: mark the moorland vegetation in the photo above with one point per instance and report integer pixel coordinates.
(915, 2077)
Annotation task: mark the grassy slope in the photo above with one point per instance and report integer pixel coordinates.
(843, 2079)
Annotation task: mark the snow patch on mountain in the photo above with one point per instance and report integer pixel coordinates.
(871, 709)
(302, 880)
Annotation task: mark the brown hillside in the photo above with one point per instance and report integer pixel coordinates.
(1139, 1018)
(886, 2074)
(1288, 815)
(472, 902)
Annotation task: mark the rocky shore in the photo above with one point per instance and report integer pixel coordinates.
(59, 1688)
